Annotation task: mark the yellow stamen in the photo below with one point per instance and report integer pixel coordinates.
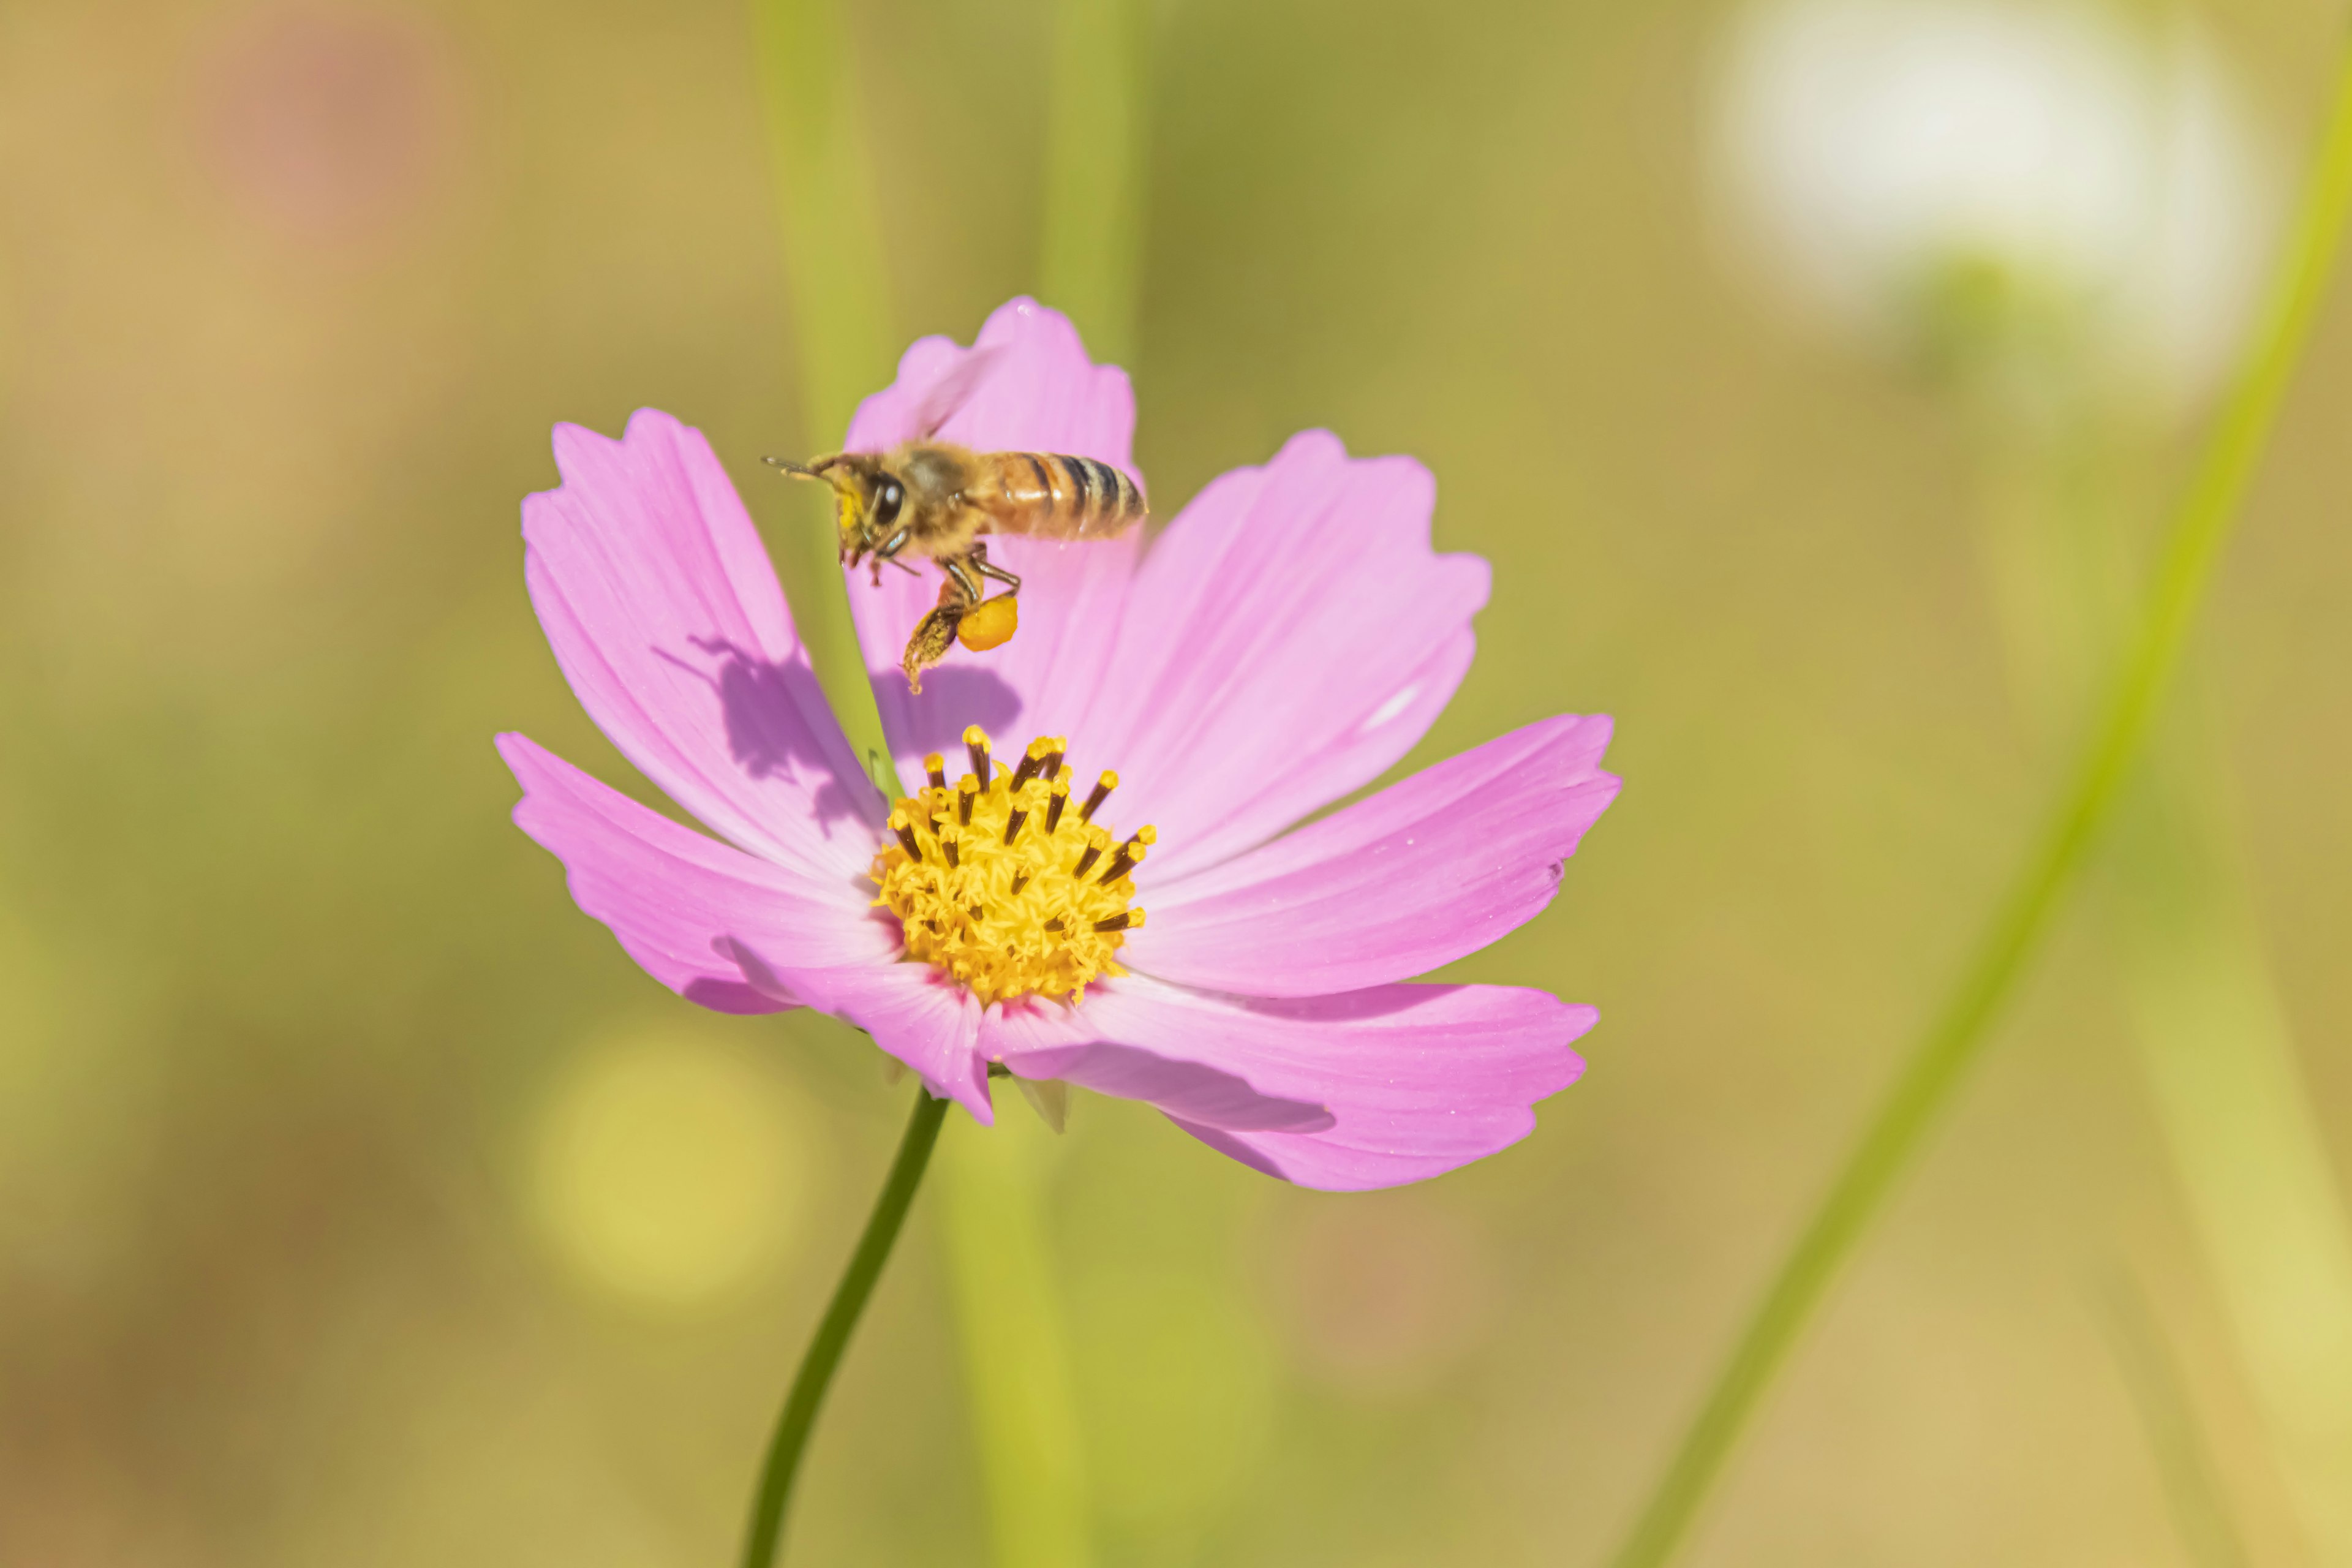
(989, 893)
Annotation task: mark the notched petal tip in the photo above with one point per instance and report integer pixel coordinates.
(1026, 383)
(1371, 1089)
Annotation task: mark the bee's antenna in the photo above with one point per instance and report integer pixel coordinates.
(816, 470)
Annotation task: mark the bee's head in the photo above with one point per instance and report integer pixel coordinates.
(870, 498)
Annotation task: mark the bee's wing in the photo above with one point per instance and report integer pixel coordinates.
(952, 391)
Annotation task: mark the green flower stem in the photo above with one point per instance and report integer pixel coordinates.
(849, 1297)
(2199, 530)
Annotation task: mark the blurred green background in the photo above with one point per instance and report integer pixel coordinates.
(362, 1203)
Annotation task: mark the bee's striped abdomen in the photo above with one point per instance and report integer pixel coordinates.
(1054, 496)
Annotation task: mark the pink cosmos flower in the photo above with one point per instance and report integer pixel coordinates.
(1286, 640)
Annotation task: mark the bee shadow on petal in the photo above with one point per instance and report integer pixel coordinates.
(952, 698)
(732, 997)
(777, 717)
(1188, 1090)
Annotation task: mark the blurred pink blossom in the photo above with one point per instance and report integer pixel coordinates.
(1286, 639)
(1380, 1298)
(327, 123)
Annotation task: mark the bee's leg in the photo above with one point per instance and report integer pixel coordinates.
(965, 571)
(888, 551)
(986, 623)
(934, 635)
(936, 632)
(979, 558)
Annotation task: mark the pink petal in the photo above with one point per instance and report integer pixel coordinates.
(658, 600)
(677, 898)
(923, 1020)
(1037, 1034)
(1287, 639)
(741, 934)
(1414, 1079)
(1427, 870)
(1025, 384)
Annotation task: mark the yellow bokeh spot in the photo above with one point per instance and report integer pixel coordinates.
(670, 1169)
(989, 624)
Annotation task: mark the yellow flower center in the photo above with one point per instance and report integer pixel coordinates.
(1005, 883)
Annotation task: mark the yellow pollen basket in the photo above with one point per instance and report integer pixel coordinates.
(989, 624)
(1009, 886)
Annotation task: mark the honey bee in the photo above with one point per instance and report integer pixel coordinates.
(932, 499)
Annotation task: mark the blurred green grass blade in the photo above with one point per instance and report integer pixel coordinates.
(1090, 262)
(835, 269)
(2253, 1161)
(838, 287)
(2200, 528)
(2184, 1462)
(2205, 1012)
(1016, 1362)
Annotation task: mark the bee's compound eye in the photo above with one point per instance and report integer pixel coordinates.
(886, 502)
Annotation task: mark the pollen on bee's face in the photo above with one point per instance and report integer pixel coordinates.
(1005, 885)
(850, 513)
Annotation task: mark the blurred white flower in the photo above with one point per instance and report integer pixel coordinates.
(1918, 170)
